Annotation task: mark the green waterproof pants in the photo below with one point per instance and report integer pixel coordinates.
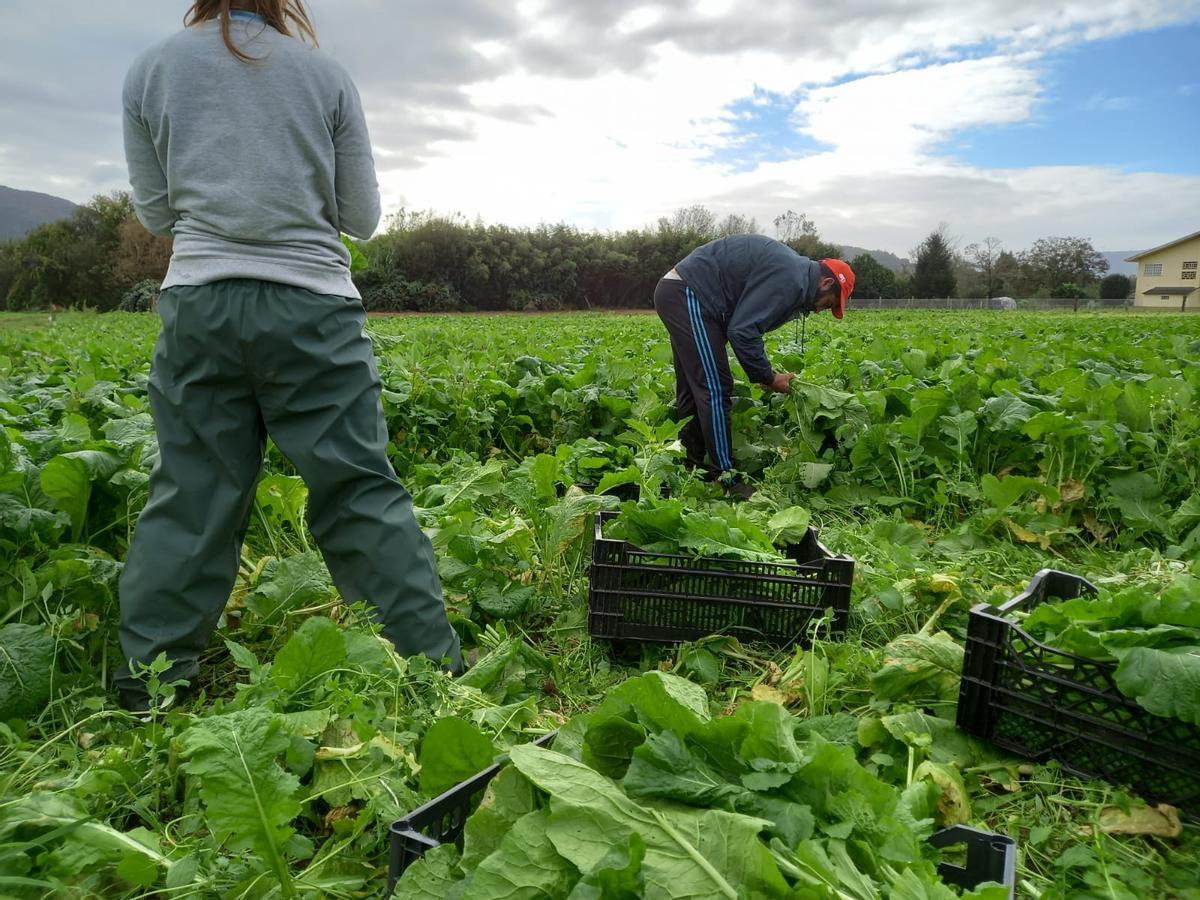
(238, 360)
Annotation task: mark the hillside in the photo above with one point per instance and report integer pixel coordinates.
(22, 211)
(885, 259)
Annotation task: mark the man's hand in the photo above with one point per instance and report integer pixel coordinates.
(782, 383)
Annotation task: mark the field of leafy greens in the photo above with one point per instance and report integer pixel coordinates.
(953, 455)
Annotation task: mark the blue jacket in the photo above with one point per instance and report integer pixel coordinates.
(751, 284)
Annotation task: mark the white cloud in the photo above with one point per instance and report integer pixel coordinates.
(608, 113)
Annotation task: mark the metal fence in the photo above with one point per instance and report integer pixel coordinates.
(1029, 303)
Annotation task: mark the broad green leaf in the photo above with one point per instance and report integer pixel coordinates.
(689, 853)
(666, 702)
(452, 751)
(610, 480)
(663, 768)
(249, 799)
(526, 865)
(1004, 492)
(616, 877)
(1166, 682)
(508, 797)
(435, 876)
(26, 670)
(789, 526)
(283, 498)
(68, 479)
(920, 668)
(289, 584)
(316, 647)
(1008, 413)
(609, 744)
(358, 259)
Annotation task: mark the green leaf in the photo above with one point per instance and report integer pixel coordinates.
(315, 648)
(508, 797)
(921, 669)
(609, 743)
(1165, 682)
(358, 259)
(249, 799)
(616, 877)
(68, 479)
(663, 768)
(610, 480)
(526, 865)
(1004, 492)
(289, 584)
(789, 526)
(689, 853)
(26, 670)
(283, 498)
(435, 876)
(452, 751)
(1139, 498)
(666, 702)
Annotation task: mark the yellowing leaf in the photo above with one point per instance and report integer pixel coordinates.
(1160, 821)
(1029, 537)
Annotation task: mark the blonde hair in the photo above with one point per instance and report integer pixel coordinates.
(285, 16)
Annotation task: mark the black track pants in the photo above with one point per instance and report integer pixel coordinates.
(703, 382)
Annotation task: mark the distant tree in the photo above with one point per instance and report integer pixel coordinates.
(793, 226)
(736, 224)
(1053, 261)
(140, 255)
(933, 275)
(698, 220)
(1008, 272)
(1115, 286)
(872, 279)
(985, 257)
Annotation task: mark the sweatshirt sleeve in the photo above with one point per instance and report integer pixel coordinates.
(146, 175)
(773, 294)
(355, 182)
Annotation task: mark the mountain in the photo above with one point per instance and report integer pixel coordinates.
(22, 211)
(1117, 264)
(885, 259)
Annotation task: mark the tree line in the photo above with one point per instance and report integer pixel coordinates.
(102, 258)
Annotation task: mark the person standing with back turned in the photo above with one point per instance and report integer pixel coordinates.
(249, 145)
(736, 289)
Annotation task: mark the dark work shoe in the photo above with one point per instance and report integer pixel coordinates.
(136, 701)
(739, 490)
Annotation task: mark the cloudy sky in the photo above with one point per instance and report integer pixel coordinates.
(1008, 118)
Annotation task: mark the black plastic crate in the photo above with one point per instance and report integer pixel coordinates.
(1042, 703)
(990, 857)
(637, 595)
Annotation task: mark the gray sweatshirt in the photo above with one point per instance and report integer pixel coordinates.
(254, 167)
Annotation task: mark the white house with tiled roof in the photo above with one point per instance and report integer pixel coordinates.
(1166, 276)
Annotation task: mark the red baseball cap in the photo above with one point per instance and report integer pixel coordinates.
(845, 275)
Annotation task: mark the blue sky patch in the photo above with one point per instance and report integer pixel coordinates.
(764, 131)
(1132, 102)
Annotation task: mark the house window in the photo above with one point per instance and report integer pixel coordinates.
(1189, 271)
(1153, 269)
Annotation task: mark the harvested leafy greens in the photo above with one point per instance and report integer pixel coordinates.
(650, 796)
(1153, 637)
(719, 530)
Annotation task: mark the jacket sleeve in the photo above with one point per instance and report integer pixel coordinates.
(764, 307)
(355, 181)
(146, 174)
